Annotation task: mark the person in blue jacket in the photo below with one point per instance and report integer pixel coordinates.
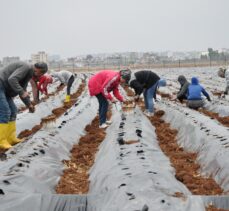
(195, 100)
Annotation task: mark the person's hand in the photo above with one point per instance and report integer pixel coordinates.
(136, 98)
(174, 97)
(25, 94)
(31, 108)
(113, 100)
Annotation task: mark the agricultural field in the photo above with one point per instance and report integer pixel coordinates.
(174, 160)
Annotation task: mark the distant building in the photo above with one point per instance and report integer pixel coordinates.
(39, 57)
(54, 58)
(7, 60)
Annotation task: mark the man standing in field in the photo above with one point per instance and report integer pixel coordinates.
(14, 79)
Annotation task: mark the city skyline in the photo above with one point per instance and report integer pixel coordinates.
(71, 28)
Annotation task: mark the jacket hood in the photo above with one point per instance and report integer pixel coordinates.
(182, 80)
(195, 81)
(162, 82)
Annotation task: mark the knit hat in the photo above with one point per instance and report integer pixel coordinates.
(125, 74)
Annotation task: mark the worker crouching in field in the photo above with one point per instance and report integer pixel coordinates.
(224, 73)
(146, 82)
(100, 85)
(14, 79)
(195, 100)
(66, 78)
(183, 92)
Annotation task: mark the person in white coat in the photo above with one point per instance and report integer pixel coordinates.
(224, 73)
(66, 78)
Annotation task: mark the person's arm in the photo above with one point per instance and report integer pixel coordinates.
(117, 94)
(206, 94)
(107, 84)
(18, 75)
(183, 90)
(40, 85)
(138, 88)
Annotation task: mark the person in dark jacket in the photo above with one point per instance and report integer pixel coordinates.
(146, 82)
(195, 100)
(182, 94)
(14, 79)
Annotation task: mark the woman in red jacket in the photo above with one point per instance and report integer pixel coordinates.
(100, 85)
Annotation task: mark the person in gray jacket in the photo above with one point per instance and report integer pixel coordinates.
(182, 93)
(14, 79)
(66, 78)
(224, 73)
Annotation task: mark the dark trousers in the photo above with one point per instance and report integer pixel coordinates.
(103, 108)
(69, 85)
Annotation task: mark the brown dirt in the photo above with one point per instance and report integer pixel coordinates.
(75, 178)
(164, 95)
(223, 120)
(184, 162)
(217, 93)
(57, 112)
(131, 142)
(212, 208)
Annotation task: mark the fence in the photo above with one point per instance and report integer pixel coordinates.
(120, 64)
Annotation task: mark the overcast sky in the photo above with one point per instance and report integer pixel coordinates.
(74, 27)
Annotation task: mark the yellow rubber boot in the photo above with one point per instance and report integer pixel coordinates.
(12, 138)
(67, 99)
(4, 144)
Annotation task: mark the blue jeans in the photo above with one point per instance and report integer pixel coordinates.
(103, 108)
(8, 109)
(148, 97)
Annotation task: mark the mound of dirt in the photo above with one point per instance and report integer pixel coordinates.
(184, 162)
(75, 179)
(223, 120)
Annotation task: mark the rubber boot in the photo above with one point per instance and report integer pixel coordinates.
(4, 144)
(12, 138)
(67, 99)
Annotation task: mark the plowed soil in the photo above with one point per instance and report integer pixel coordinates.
(57, 112)
(212, 208)
(223, 120)
(75, 179)
(184, 162)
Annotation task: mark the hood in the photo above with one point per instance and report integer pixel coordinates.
(195, 81)
(182, 80)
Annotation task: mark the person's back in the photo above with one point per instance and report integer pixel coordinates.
(16, 71)
(194, 94)
(63, 76)
(147, 78)
(102, 79)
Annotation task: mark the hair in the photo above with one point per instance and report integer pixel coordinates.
(42, 66)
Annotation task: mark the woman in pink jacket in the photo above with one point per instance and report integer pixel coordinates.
(101, 84)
